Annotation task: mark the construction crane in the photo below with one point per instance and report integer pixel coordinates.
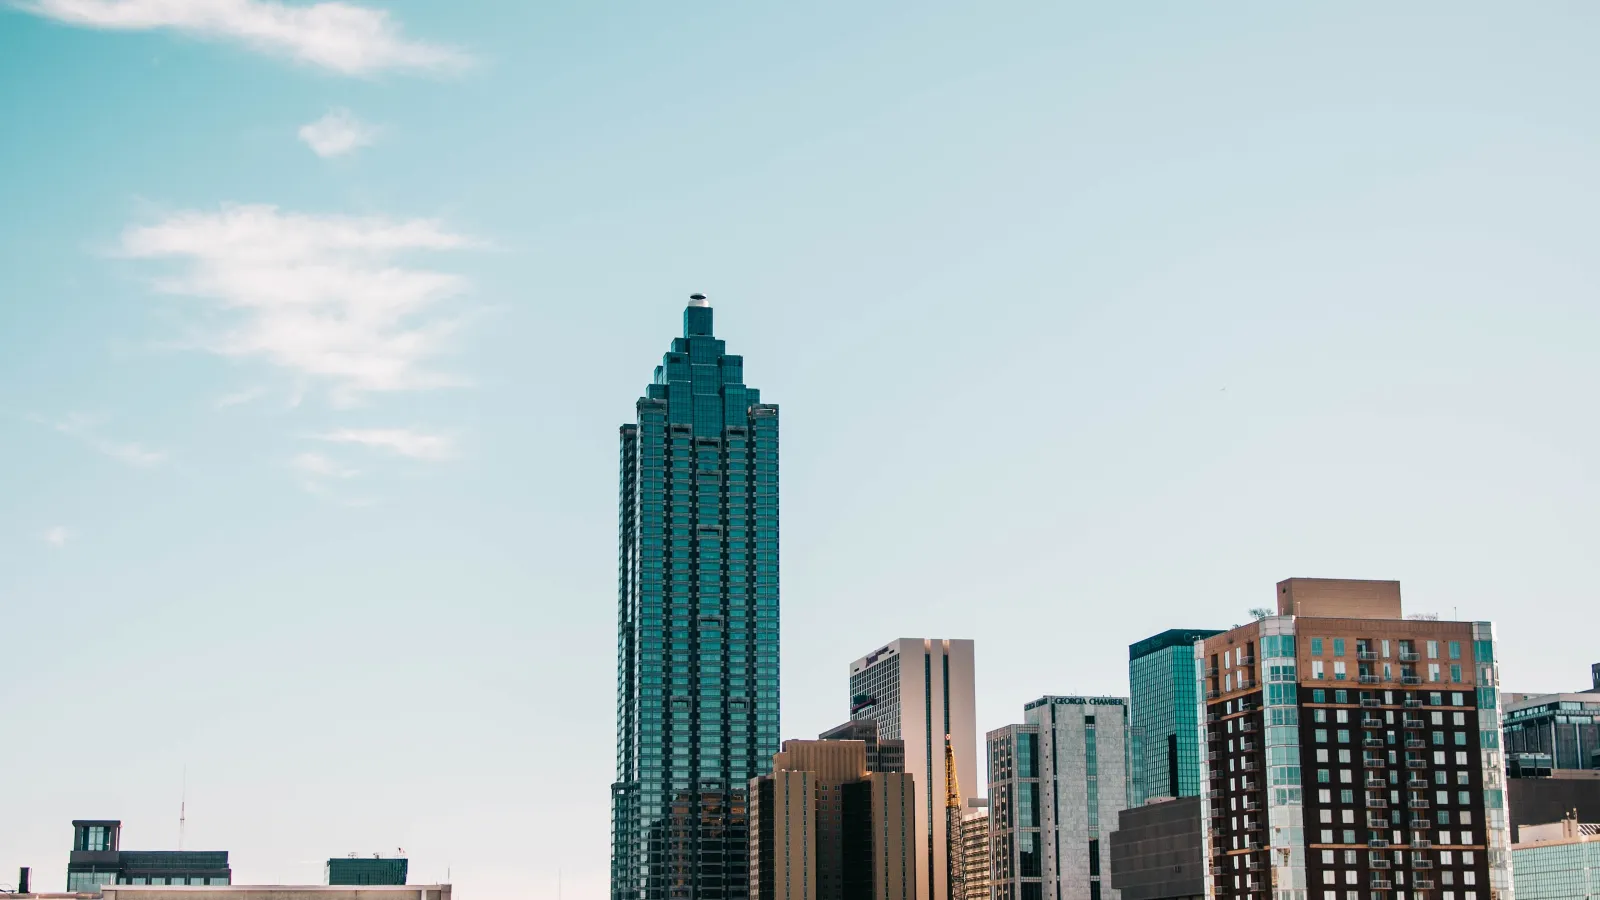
(955, 844)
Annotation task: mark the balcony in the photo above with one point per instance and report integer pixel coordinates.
(1413, 703)
(1422, 884)
(1371, 702)
(1421, 844)
(1377, 863)
(1416, 744)
(1244, 684)
(1378, 824)
(1245, 660)
(1421, 824)
(1409, 656)
(1377, 803)
(1211, 671)
(1376, 781)
(1416, 764)
(1248, 726)
(1415, 723)
(1215, 794)
(1213, 717)
(1378, 844)
(1252, 824)
(1416, 784)
(1249, 804)
(1216, 756)
(1249, 765)
(1213, 694)
(1382, 884)
(1373, 763)
(1421, 863)
(1416, 803)
(1371, 723)
(1374, 742)
(1410, 679)
(1248, 785)
(1246, 747)
(1369, 679)
(1367, 655)
(1218, 871)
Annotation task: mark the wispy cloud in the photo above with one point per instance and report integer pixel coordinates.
(344, 37)
(403, 441)
(86, 430)
(324, 297)
(57, 536)
(337, 133)
(238, 398)
(319, 466)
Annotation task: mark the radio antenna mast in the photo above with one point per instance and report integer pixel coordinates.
(183, 806)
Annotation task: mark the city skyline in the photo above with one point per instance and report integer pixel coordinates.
(1088, 322)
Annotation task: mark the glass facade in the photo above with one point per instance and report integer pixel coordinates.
(1162, 685)
(697, 640)
(1557, 871)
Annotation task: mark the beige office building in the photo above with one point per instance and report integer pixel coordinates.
(975, 851)
(919, 690)
(823, 827)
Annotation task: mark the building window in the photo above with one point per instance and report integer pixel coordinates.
(1455, 673)
(1318, 695)
(1433, 649)
(1338, 646)
(1316, 669)
(1339, 673)
(1316, 646)
(1433, 671)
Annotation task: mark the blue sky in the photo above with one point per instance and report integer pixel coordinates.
(316, 325)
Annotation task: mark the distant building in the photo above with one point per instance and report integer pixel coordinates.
(1545, 732)
(1557, 861)
(919, 690)
(1158, 853)
(1533, 801)
(359, 870)
(281, 892)
(1056, 785)
(97, 859)
(1163, 703)
(825, 828)
(882, 755)
(975, 850)
(1352, 749)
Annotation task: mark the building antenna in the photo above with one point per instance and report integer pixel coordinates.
(183, 806)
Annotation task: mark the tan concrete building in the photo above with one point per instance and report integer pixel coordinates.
(823, 827)
(1350, 750)
(921, 691)
(975, 850)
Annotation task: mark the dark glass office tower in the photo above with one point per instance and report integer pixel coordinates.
(697, 633)
(1164, 704)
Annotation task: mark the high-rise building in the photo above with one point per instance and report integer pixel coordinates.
(1056, 785)
(975, 850)
(367, 870)
(882, 755)
(1352, 751)
(97, 859)
(918, 690)
(824, 827)
(1161, 697)
(697, 636)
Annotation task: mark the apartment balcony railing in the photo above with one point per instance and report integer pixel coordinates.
(1377, 803)
(1378, 844)
(1246, 660)
(1416, 784)
(1421, 863)
(1377, 824)
(1368, 655)
(1421, 844)
(1382, 884)
(1415, 723)
(1416, 764)
(1371, 702)
(1412, 703)
(1410, 679)
(1374, 742)
(1420, 824)
(1373, 763)
(1409, 656)
(1248, 726)
(1422, 884)
(1376, 781)
(1369, 678)
(1416, 803)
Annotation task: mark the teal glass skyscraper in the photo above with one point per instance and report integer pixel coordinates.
(1162, 700)
(697, 629)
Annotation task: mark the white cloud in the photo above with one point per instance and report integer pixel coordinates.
(57, 536)
(324, 297)
(344, 37)
(85, 429)
(337, 133)
(403, 441)
(319, 466)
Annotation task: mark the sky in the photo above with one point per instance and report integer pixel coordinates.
(317, 322)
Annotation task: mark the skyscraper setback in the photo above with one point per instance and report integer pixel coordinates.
(697, 632)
